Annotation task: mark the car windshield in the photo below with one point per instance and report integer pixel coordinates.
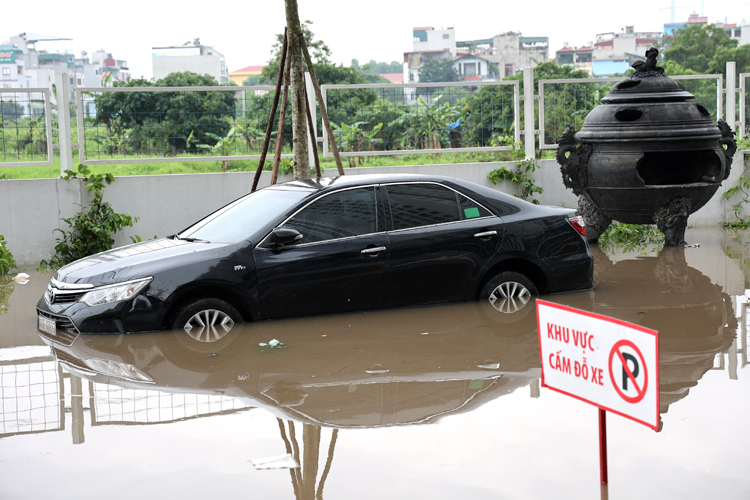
(240, 220)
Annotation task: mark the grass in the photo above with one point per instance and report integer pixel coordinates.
(200, 167)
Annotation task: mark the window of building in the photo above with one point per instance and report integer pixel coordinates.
(338, 215)
(446, 36)
(6, 71)
(6, 85)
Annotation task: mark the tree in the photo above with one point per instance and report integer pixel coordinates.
(438, 70)
(319, 53)
(164, 121)
(297, 98)
(706, 49)
(382, 67)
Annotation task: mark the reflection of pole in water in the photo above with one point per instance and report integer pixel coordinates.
(305, 476)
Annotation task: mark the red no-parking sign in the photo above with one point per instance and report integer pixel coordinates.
(609, 363)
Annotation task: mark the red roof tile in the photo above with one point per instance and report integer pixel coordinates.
(393, 77)
(249, 69)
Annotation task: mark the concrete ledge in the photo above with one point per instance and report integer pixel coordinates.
(30, 210)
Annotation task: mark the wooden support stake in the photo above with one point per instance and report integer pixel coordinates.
(322, 105)
(269, 128)
(311, 128)
(282, 116)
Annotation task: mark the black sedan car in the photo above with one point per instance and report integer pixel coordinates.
(326, 245)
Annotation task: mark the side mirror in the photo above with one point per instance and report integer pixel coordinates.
(282, 237)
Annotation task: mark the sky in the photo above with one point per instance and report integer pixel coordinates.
(245, 31)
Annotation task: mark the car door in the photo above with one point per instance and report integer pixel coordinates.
(340, 264)
(440, 241)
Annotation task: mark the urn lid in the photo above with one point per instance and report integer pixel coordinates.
(648, 84)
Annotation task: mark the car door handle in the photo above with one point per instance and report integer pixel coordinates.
(485, 234)
(373, 250)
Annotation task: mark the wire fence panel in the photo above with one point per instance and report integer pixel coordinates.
(25, 127)
(566, 102)
(163, 124)
(30, 395)
(743, 129)
(116, 405)
(413, 118)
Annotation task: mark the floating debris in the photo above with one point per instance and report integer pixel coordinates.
(273, 344)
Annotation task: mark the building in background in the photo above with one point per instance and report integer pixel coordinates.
(506, 54)
(580, 58)
(614, 52)
(192, 56)
(243, 74)
(30, 60)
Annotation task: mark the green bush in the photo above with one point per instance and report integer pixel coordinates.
(7, 262)
(91, 229)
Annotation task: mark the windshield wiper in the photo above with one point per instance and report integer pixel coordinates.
(191, 240)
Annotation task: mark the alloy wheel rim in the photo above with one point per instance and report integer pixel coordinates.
(509, 297)
(209, 325)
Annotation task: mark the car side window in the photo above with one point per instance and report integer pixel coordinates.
(470, 210)
(337, 215)
(415, 205)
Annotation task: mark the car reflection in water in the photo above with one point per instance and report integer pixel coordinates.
(414, 365)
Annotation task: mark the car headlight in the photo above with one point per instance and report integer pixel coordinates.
(117, 369)
(115, 293)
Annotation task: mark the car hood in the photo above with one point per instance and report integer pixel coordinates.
(122, 264)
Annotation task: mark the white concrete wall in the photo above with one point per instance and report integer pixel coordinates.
(30, 210)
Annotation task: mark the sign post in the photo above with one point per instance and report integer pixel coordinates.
(608, 363)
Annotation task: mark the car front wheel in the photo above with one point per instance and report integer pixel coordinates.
(508, 292)
(206, 320)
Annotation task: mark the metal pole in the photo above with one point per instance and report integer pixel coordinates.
(311, 115)
(603, 446)
(63, 122)
(528, 112)
(731, 95)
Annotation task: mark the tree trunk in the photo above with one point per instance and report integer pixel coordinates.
(297, 94)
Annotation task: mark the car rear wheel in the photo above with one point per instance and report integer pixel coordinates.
(206, 320)
(508, 292)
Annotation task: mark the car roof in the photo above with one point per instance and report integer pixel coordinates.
(343, 181)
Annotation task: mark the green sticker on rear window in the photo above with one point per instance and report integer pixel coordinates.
(471, 212)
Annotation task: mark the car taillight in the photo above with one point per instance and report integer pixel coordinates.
(578, 224)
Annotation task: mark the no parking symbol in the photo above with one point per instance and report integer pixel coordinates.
(604, 361)
(628, 371)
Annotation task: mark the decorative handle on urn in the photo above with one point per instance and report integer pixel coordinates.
(729, 146)
(573, 157)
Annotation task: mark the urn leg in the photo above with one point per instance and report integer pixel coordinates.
(596, 221)
(671, 219)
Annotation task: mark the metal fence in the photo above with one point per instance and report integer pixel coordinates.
(743, 129)
(25, 127)
(414, 118)
(30, 396)
(566, 102)
(167, 124)
(155, 124)
(116, 405)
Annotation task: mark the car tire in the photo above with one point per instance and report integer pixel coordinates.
(206, 320)
(509, 293)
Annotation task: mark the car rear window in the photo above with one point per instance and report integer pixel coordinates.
(416, 205)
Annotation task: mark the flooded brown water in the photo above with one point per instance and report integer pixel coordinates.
(440, 402)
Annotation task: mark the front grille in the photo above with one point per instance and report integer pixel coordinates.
(56, 296)
(66, 333)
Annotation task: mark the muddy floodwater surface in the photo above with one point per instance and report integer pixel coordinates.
(442, 402)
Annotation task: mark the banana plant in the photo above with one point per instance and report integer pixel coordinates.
(222, 146)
